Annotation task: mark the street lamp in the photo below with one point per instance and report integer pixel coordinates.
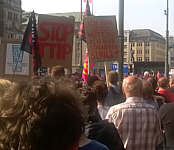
(121, 36)
(166, 12)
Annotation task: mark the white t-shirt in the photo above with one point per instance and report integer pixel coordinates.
(103, 110)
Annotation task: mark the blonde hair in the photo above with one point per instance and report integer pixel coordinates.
(26, 103)
(4, 86)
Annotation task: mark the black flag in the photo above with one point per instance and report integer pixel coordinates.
(27, 39)
(30, 43)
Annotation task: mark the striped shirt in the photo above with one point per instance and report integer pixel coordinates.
(137, 123)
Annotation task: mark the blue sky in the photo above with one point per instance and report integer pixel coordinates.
(139, 14)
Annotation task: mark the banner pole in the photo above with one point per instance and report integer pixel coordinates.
(88, 64)
(106, 73)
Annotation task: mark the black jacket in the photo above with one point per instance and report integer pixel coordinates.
(114, 97)
(106, 133)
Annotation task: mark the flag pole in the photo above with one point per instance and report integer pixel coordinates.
(92, 7)
(81, 46)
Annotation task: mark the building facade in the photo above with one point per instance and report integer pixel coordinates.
(143, 45)
(10, 29)
(10, 19)
(171, 52)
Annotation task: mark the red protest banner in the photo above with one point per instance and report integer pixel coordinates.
(102, 38)
(56, 40)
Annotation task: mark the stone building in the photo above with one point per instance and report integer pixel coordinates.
(10, 19)
(145, 44)
(10, 29)
(171, 52)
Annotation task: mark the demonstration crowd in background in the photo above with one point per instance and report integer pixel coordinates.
(57, 113)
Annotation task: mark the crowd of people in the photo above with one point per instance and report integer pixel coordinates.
(56, 113)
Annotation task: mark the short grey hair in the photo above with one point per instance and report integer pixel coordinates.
(132, 85)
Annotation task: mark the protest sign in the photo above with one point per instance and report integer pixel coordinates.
(17, 61)
(56, 40)
(102, 38)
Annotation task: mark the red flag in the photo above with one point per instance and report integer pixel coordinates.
(92, 64)
(27, 39)
(82, 28)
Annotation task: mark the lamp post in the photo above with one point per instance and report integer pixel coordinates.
(121, 36)
(167, 41)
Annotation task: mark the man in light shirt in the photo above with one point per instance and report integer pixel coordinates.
(137, 122)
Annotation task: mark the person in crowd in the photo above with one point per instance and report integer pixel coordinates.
(158, 97)
(163, 89)
(146, 75)
(58, 71)
(41, 115)
(171, 84)
(166, 114)
(137, 122)
(96, 128)
(91, 80)
(115, 95)
(88, 144)
(148, 94)
(101, 92)
(4, 86)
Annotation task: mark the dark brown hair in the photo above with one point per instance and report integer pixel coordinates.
(113, 77)
(58, 71)
(163, 82)
(101, 91)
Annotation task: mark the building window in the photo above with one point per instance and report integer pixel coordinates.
(139, 51)
(132, 44)
(147, 59)
(147, 51)
(125, 59)
(139, 59)
(125, 52)
(125, 46)
(125, 39)
(139, 44)
(9, 15)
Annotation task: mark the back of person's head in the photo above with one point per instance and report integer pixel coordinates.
(58, 71)
(101, 91)
(113, 77)
(171, 82)
(132, 86)
(147, 90)
(153, 81)
(163, 83)
(90, 102)
(40, 116)
(91, 80)
(146, 74)
(4, 85)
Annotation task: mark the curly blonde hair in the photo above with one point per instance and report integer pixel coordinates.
(39, 115)
(4, 85)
